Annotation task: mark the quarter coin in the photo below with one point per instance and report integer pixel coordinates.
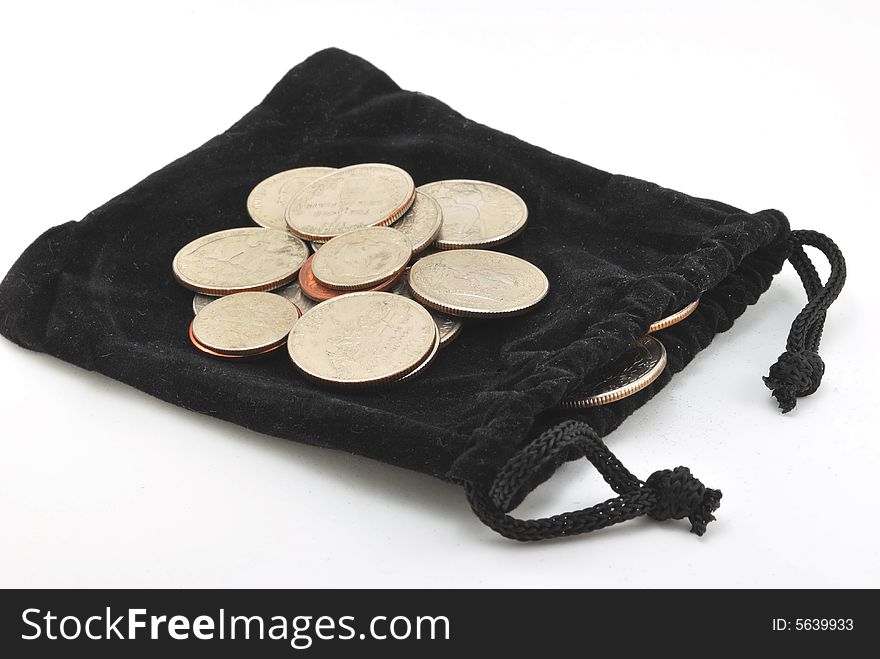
(634, 370)
(677, 317)
(235, 260)
(267, 201)
(350, 198)
(477, 283)
(208, 351)
(447, 326)
(421, 223)
(476, 213)
(361, 258)
(361, 339)
(244, 323)
(316, 291)
(291, 292)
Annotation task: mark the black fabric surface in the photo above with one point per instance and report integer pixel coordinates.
(620, 253)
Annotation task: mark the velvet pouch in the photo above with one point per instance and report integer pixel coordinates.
(620, 253)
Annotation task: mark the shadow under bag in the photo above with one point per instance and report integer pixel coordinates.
(620, 253)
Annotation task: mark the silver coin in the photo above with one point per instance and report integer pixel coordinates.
(421, 223)
(244, 323)
(447, 326)
(291, 292)
(268, 200)
(350, 198)
(361, 339)
(476, 213)
(235, 260)
(361, 258)
(634, 370)
(477, 283)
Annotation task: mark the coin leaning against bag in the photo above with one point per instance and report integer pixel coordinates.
(635, 369)
(353, 197)
(672, 319)
(476, 213)
(477, 283)
(244, 324)
(363, 338)
(268, 200)
(362, 258)
(236, 260)
(291, 292)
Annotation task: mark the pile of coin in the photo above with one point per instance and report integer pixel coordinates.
(338, 271)
(364, 278)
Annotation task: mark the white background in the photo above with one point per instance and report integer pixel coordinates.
(757, 104)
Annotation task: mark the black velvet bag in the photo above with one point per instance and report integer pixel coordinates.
(620, 254)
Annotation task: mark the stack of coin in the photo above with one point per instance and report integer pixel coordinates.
(368, 227)
(363, 338)
(394, 271)
(243, 324)
(362, 259)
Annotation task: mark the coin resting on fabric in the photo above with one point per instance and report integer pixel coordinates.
(213, 353)
(362, 338)
(421, 223)
(291, 292)
(672, 319)
(476, 213)
(350, 198)
(269, 199)
(235, 260)
(635, 369)
(477, 283)
(244, 323)
(361, 258)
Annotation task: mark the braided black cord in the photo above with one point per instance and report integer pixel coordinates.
(667, 494)
(799, 370)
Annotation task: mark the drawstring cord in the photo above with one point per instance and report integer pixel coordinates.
(799, 370)
(667, 494)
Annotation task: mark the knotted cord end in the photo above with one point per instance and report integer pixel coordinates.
(668, 494)
(795, 374)
(799, 370)
(679, 495)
